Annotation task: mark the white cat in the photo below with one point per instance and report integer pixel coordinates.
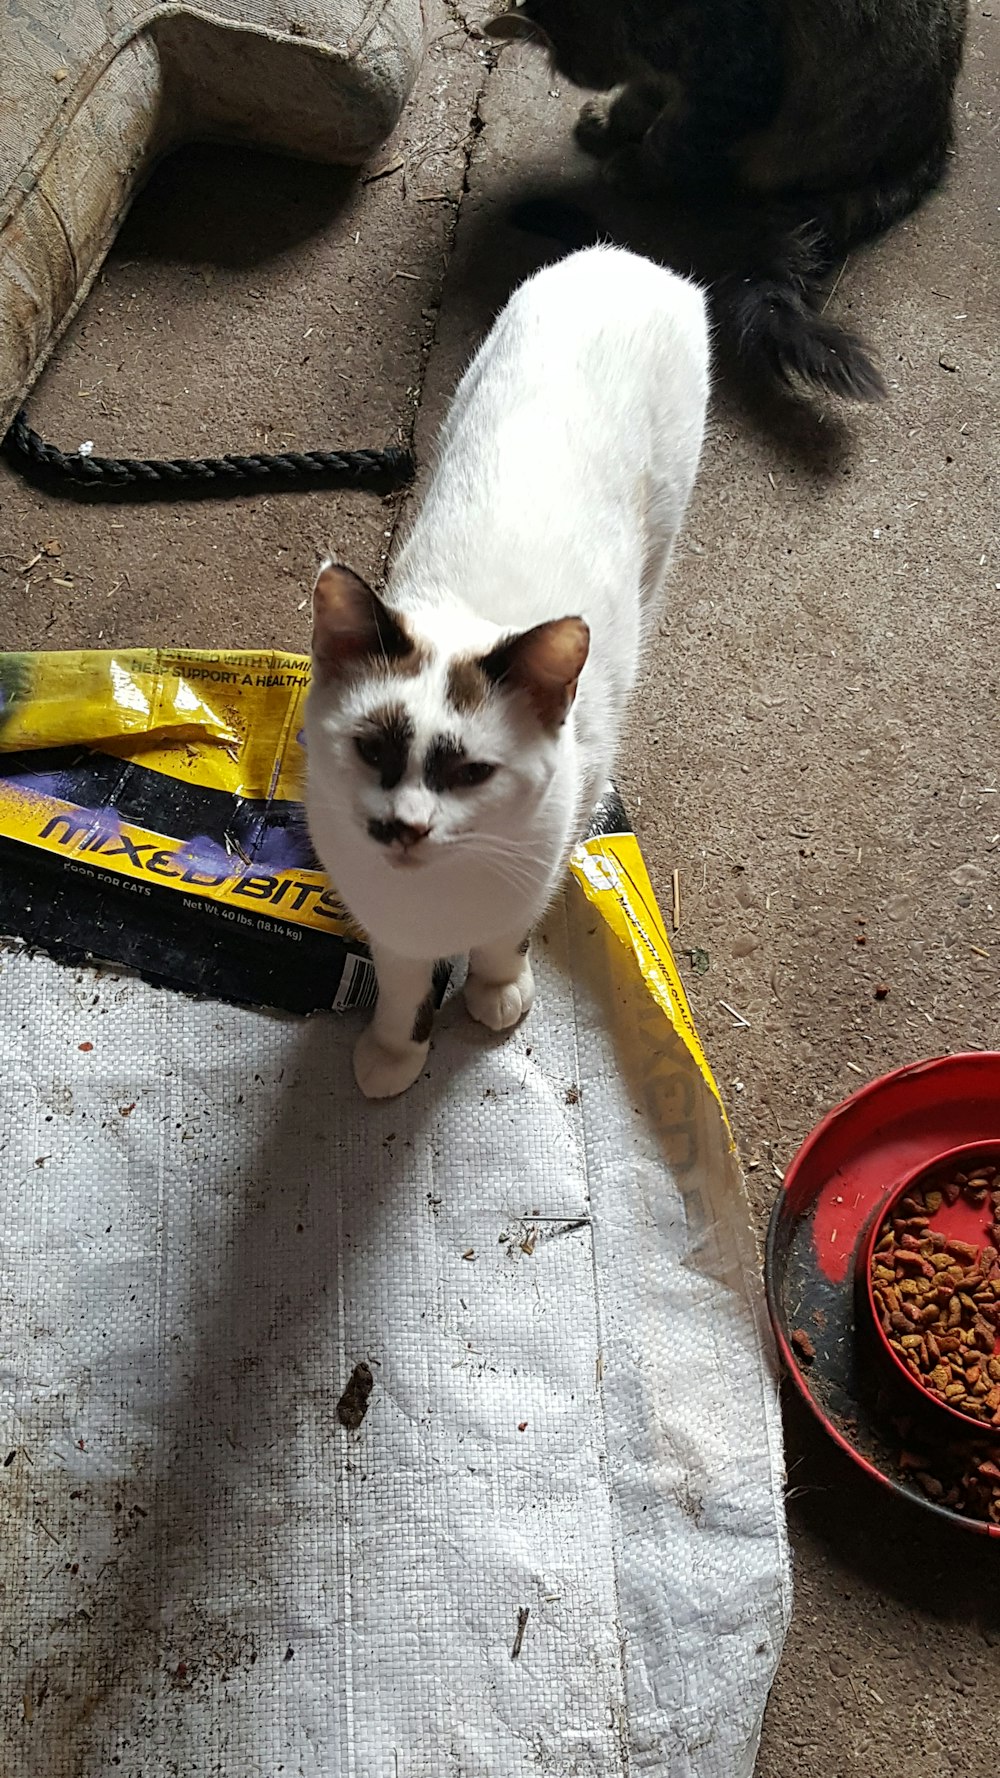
(461, 728)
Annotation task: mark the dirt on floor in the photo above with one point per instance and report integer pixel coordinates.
(815, 739)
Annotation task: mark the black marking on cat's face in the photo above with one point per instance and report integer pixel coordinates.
(383, 742)
(448, 766)
(403, 833)
(444, 755)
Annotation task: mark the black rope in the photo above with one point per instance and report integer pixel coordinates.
(128, 477)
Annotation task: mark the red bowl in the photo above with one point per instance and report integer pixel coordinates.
(839, 1179)
(961, 1221)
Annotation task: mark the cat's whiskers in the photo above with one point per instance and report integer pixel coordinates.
(514, 866)
(501, 865)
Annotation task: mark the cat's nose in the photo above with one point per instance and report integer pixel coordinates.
(410, 834)
(403, 833)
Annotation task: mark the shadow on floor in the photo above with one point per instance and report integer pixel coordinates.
(801, 432)
(231, 207)
(895, 1548)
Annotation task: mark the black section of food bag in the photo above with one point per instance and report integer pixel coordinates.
(79, 914)
(244, 827)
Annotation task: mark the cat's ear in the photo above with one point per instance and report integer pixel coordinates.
(545, 663)
(516, 26)
(351, 624)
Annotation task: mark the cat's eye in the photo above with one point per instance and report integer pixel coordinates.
(370, 749)
(466, 777)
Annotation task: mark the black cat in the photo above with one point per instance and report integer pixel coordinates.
(817, 122)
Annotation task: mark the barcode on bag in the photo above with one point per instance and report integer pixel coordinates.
(358, 985)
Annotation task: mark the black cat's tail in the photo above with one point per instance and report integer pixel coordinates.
(772, 316)
(770, 311)
(774, 311)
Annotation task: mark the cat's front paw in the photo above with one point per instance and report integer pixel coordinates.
(501, 1004)
(381, 1072)
(593, 131)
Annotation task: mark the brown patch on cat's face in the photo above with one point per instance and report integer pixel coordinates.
(544, 663)
(405, 666)
(381, 664)
(468, 686)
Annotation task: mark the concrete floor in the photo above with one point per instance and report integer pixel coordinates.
(815, 739)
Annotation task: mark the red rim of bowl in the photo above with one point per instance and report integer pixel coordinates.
(950, 1160)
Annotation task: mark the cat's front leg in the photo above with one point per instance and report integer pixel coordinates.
(390, 1054)
(500, 987)
(605, 126)
(595, 129)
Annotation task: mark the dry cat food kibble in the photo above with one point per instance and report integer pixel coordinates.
(964, 1477)
(938, 1299)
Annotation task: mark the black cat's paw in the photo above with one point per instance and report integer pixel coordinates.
(593, 131)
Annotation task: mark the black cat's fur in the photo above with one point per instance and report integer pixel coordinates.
(818, 123)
